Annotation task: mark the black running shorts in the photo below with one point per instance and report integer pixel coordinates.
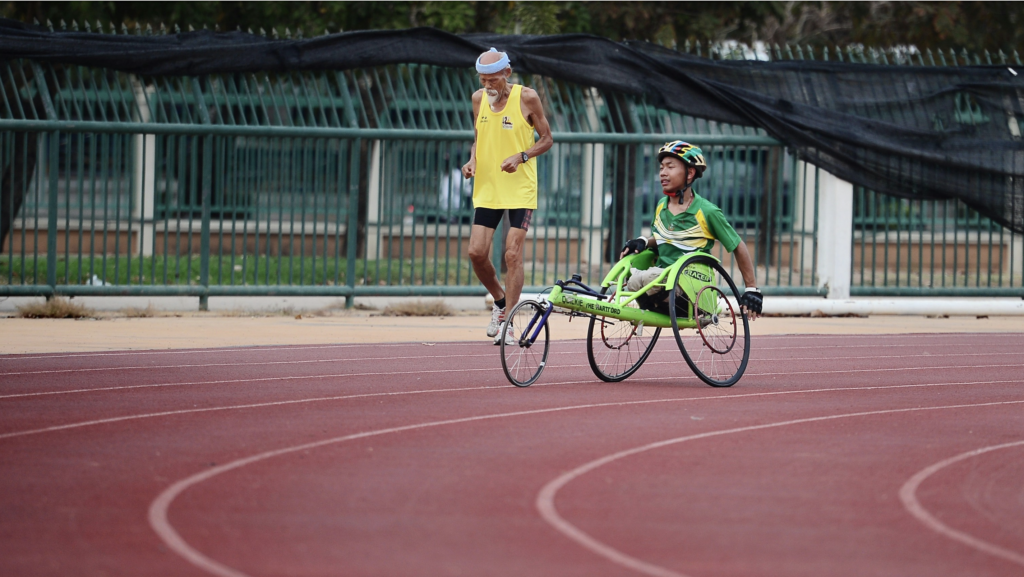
(491, 217)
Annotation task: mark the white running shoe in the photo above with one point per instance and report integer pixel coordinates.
(510, 338)
(497, 317)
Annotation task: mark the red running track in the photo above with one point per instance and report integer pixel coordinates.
(834, 455)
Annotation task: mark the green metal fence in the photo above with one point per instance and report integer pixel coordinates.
(346, 183)
(904, 247)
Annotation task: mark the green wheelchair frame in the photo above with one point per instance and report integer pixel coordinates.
(710, 328)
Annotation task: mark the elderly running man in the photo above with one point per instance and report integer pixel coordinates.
(504, 175)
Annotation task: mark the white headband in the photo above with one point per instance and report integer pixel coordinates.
(494, 67)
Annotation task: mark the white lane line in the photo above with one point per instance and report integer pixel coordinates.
(227, 408)
(908, 496)
(503, 387)
(894, 335)
(364, 359)
(242, 349)
(339, 375)
(884, 370)
(159, 507)
(545, 501)
(246, 380)
(883, 340)
(264, 363)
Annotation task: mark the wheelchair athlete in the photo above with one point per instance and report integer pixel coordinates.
(685, 222)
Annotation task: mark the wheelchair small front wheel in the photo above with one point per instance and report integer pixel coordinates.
(524, 343)
(718, 347)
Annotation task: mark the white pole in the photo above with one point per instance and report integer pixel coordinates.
(592, 201)
(144, 172)
(373, 204)
(835, 235)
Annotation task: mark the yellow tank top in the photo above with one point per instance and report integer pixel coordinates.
(499, 135)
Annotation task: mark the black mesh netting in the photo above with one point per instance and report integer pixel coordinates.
(909, 131)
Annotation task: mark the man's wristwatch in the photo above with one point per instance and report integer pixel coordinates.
(525, 156)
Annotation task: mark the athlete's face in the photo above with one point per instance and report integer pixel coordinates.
(495, 84)
(674, 174)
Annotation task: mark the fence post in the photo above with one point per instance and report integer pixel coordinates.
(592, 205)
(373, 203)
(835, 235)
(52, 168)
(1016, 257)
(207, 198)
(592, 201)
(51, 211)
(144, 182)
(805, 216)
(351, 237)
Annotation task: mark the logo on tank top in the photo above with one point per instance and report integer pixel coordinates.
(506, 123)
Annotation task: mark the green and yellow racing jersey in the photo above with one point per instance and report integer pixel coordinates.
(695, 229)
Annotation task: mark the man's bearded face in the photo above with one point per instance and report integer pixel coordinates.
(494, 84)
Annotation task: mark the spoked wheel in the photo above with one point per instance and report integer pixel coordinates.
(617, 348)
(718, 348)
(524, 343)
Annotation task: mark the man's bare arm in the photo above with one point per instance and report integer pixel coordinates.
(469, 169)
(746, 266)
(533, 112)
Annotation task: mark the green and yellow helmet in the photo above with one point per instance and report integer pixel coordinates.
(689, 154)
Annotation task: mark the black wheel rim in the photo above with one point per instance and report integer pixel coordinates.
(522, 361)
(715, 369)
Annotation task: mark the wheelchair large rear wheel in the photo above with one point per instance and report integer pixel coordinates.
(523, 360)
(617, 348)
(719, 347)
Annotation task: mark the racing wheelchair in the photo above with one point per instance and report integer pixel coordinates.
(698, 301)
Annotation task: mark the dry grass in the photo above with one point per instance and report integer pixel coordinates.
(336, 309)
(137, 313)
(55, 308)
(253, 313)
(418, 309)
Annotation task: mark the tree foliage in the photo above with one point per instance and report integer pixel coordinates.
(975, 26)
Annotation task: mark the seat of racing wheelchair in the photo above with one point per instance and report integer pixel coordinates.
(658, 302)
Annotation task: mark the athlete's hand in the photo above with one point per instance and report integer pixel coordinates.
(635, 246)
(752, 301)
(511, 163)
(469, 169)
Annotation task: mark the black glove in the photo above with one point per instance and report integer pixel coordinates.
(637, 245)
(752, 299)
